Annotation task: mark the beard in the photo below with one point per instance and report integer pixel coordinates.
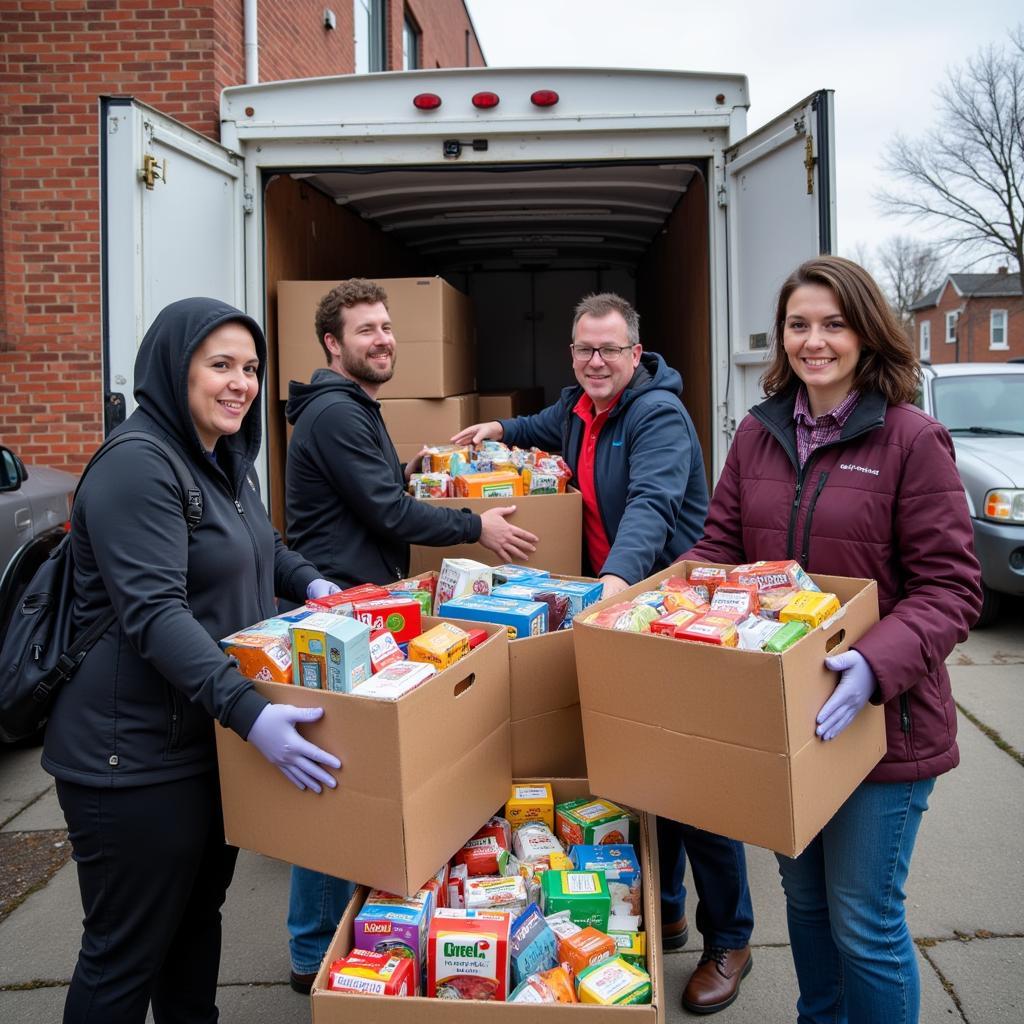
(360, 368)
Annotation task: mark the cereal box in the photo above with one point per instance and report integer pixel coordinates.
(591, 822)
(373, 974)
(469, 955)
(512, 573)
(500, 484)
(330, 652)
(396, 680)
(520, 618)
(400, 614)
(581, 594)
(441, 646)
(460, 577)
(531, 802)
(396, 925)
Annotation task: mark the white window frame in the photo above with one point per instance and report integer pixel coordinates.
(998, 346)
(951, 322)
(412, 43)
(370, 36)
(926, 340)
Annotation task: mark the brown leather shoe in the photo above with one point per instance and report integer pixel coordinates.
(715, 983)
(674, 935)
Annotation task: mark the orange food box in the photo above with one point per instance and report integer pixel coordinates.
(716, 628)
(586, 947)
(499, 484)
(669, 625)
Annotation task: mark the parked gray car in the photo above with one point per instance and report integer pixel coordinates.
(982, 406)
(35, 505)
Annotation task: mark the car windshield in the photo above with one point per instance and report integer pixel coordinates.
(989, 404)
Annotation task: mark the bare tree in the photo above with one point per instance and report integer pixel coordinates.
(908, 269)
(967, 174)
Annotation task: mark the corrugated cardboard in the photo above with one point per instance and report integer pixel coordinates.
(418, 775)
(504, 405)
(724, 739)
(341, 1008)
(424, 421)
(433, 325)
(556, 520)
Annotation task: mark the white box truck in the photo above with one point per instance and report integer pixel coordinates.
(524, 188)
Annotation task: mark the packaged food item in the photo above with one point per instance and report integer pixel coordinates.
(264, 649)
(487, 893)
(532, 944)
(614, 983)
(558, 604)
(654, 598)
(534, 842)
(766, 576)
(631, 946)
(512, 573)
(438, 885)
(621, 870)
(633, 618)
(396, 925)
(559, 861)
(583, 893)
(546, 476)
(623, 922)
(476, 637)
(400, 615)
(486, 852)
(711, 629)
(414, 584)
(424, 598)
(431, 485)
(362, 592)
(440, 646)
(562, 924)
(682, 595)
(531, 802)
(372, 974)
(773, 601)
(469, 955)
(586, 948)
(457, 876)
(330, 652)
(395, 680)
(460, 577)
(586, 822)
(499, 484)
(538, 988)
(755, 632)
(336, 604)
(520, 618)
(811, 607)
(786, 635)
(438, 457)
(705, 580)
(669, 625)
(384, 650)
(736, 597)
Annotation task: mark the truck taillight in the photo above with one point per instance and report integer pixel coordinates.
(544, 98)
(485, 100)
(426, 101)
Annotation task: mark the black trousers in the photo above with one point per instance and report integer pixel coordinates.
(153, 871)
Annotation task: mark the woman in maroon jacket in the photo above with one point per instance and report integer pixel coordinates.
(839, 471)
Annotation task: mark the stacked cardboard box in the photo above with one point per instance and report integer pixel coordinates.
(503, 405)
(415, 422)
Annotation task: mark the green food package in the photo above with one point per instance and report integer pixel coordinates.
(786, 636)
(583, 893)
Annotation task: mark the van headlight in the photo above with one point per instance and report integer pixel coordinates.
(1005, 506)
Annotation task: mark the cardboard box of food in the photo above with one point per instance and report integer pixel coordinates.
(503, 405)
(556, 520)
(737, 726)
(418, 775)
(343, 1008)
(433, 325)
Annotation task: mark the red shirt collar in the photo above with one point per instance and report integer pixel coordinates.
(584, 408)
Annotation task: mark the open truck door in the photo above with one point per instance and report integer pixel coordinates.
(173, 226)
(781, 210)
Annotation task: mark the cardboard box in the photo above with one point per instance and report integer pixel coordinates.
(556, 520)
(737, 726)
(418, 775)
(340, 1008)
(503, 405)
(423, 421)
(433, 325)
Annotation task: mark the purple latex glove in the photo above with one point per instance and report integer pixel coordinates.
(321, 588)
(274, 735)
(856, 684)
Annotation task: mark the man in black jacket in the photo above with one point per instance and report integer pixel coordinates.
(348, 512)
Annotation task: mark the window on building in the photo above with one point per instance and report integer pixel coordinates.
(411, 43)
(369, 33)
(951, 319)
(926, 341)
(997, 329)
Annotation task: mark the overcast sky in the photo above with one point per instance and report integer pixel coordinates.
(883, 59)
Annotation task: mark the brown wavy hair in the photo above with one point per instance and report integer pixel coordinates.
(887, 362)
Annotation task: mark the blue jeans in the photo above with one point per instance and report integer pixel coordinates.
(725, 916)
(315, 905)
(854, 957)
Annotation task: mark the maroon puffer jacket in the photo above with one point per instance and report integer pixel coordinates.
(884, 503)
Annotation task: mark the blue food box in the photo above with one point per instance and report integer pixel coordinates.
(581, 594)
(512, 573)
(330, 652)
(620, 866)
(533, 945)
(520, 618)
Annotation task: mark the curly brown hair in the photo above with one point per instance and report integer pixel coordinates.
(887, 362)
(330, 311)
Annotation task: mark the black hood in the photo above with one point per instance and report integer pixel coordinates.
(323, 381)
(161, 371)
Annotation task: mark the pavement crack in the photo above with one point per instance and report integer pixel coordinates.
(39, 796)
(946, 983)
(992, 734)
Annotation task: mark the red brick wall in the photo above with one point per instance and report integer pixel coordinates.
(973, 328)
(56, 58)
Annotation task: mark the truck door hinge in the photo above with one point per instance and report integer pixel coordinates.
(152, 171)
(809, 161)
(248, 201)
(722, 195)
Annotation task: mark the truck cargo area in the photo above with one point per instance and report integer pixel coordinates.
(525, 243)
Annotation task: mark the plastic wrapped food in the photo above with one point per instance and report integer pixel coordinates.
(712, 629)
(551, 986)
(736, 597)
(438, 457)
(686, 597)
(633, 618)
(787, 634)
(669, 625)
(534, 842)
(755, 632)
(811, 607)
(614, 983)
(499, 484)
(532, 944)
(773, 576)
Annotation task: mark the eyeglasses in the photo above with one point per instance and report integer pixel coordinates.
(609, 353)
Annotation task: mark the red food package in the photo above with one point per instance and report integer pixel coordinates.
(428, 582)
(468, 955)
(401, 616)
(336, 604)
(691, 598)
(712, 629)
(773, 576)
(670, 624)
(384, 650)
(373, 974)
(736, 597)
(477, 637)
(487, 852)
(364, 592)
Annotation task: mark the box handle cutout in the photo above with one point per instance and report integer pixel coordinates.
(834, 641)
(464, 684)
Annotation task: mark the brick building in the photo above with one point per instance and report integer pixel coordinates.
(56, 58)
(971, 318)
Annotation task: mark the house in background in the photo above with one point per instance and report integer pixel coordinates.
(971, 318)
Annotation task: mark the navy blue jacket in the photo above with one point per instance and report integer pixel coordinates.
(648, 467)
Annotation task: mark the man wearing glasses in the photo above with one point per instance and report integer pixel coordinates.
(637, 462)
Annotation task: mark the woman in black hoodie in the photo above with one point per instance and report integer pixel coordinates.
(130, 741)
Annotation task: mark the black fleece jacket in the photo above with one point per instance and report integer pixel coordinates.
(345, 491)
(140, 709)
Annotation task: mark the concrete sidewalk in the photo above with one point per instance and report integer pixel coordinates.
(965, 901)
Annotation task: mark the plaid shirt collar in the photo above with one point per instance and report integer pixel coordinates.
(813, 432)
